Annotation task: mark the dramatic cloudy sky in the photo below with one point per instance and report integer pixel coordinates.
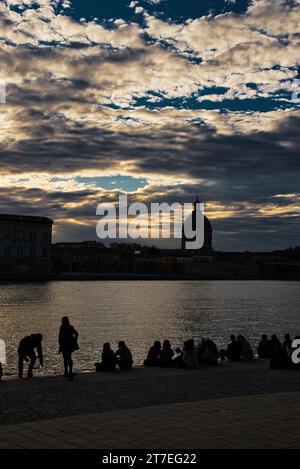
(160, 99)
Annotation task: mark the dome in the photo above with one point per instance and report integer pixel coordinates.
(207, 224)
(207, 244)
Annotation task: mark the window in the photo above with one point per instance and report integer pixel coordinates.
(7, 251)
(20, 235)
(45, 236)
(45, 252)
(33, 235)
(8, 235)
(32, 252)
(20, 251)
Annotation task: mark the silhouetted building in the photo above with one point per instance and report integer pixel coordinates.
(207, 245)
(91, 257)
(25, 245)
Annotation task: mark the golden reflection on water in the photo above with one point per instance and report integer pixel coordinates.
(141, 311)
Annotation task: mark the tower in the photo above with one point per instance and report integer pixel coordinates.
(207, 245)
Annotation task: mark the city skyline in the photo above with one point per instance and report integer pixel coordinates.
(161, 100)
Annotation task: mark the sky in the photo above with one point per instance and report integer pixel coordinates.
(157, 99)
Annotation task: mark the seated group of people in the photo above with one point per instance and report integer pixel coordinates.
(238, 349)
(110, 359)
(279, 353)
(189, 357)
(207, 353)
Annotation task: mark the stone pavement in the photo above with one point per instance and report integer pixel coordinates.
(46, 397)
(259, 421)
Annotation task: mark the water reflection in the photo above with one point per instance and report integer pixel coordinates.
(142, 311)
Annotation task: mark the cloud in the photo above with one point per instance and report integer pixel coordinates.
(78, 103)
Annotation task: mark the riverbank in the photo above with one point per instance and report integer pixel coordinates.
(147, 277)
(54, 397)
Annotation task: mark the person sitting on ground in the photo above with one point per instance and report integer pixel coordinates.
(264, 347)
(109, 360)
(210, 355)
(26, 352)
(153, 357)
(287, 346)
(278, 357)
(201, 348)
(124, 356)
(188, 358)
(166, 354)
(67, 339)
(233, 352)
(247, 352)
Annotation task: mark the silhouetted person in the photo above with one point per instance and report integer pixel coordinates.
(166, 354)
(233, 351)
(278, 357)
(188, 357)
(201, 348)
(264, 347)
(210, 353)
(287, 346)
(153, 357)
(247, 352)
(109, 359)
(26, 352)
(124, 356)
(67, 345)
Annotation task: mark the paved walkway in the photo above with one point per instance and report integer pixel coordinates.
(260, 421)
(46, 398)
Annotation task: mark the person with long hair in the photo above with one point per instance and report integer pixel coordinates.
(68, 337)
(109, 359)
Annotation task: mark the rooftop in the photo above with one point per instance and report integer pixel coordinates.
(25, 219)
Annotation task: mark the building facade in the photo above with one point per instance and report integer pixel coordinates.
(25, 245)
(85, 256)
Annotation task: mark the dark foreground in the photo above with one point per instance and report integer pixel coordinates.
(53, 397)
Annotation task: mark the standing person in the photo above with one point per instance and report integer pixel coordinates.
(26, 352)
(124, 356)
(67, 345)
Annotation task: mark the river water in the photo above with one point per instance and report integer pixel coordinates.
(140, 312)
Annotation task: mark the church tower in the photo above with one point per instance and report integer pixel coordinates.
(207, 245)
